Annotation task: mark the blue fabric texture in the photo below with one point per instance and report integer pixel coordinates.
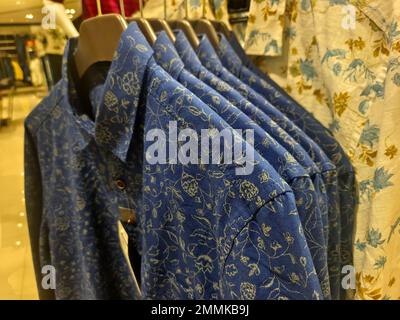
(282, 161)
(72, 200)
(328, 169)
(193, 64)
(328, 176)
(233, 58)
(203, 232)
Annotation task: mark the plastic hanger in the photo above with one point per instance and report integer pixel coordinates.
(144, 25)
(205, 26)
(186, 27)
(98, 39)
(162, 25)
(221, 27)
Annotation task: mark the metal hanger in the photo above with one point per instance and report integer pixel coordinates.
(162, 25)
(186, 27)
(144, 25)
(204, 25)
(98, 39)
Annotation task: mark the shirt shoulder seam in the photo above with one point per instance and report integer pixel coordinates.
(247, 222)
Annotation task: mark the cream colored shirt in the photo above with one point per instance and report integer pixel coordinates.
(175, 9)
(341, 60)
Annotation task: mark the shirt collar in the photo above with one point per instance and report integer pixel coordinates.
(186, 52)
(70, 97)
(119, 102)
(166, 55)
(208, 55)
(228, 55)
(382, 14)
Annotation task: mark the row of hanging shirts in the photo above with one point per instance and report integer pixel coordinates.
(193, 230)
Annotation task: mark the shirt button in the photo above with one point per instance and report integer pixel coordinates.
(120, 184)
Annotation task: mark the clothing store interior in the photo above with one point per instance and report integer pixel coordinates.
(199, 150)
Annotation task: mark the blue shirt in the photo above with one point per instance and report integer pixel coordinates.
(210, 59)
(282, 161)
(196, 218)
(72, 199)
(193, 64)
(196, 224)
(264, 85)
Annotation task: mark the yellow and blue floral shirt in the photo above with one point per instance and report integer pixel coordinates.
(264, 32)
(340, 61)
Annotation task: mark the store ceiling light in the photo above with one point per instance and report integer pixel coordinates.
(29, 16)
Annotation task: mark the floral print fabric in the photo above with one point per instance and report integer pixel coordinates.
(202, 231)
(232, 61)
(72, 201)
(191, 215)
(264, 31)
(341, 61)
(282, 161)
(210, 59)
(196, 9)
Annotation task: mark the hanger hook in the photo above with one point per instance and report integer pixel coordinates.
(122, 7)
(98, 2)
(204, 9)
(165, 9)
(186, 9)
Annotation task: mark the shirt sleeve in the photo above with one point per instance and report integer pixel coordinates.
(270, 259)
(264, 32)
(34, 208)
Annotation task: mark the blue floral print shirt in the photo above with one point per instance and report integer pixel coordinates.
(192, 215)
(210, 59)
(260, 82)
(73, 200)
(193, 64)
(203, 232)
(282, 161)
